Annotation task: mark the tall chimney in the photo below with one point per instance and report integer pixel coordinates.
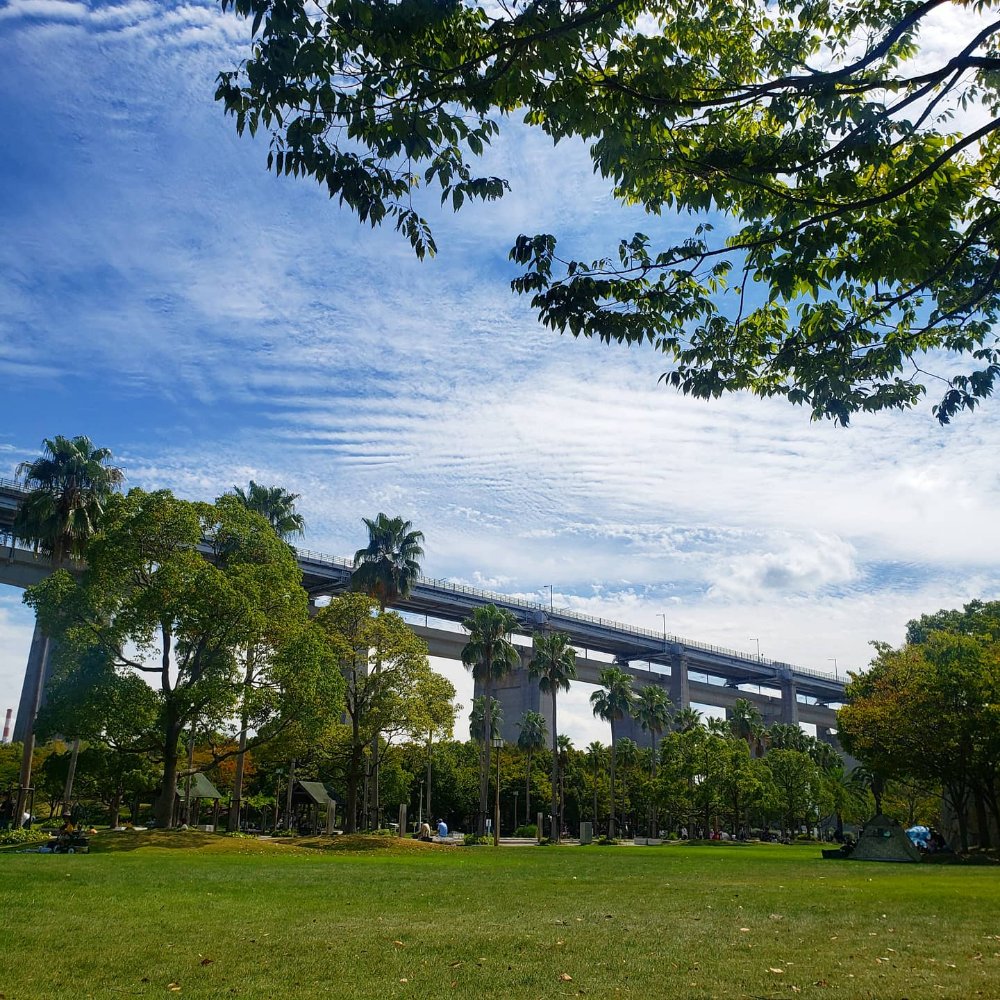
(6, 726)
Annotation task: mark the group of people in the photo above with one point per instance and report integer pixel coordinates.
(426, 834)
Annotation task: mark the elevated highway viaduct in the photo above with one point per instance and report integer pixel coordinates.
(689, 671)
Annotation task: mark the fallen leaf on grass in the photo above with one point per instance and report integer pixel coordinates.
(207, 961)
(777, 972)
(565, 977)
(404, 980)
(174, 987)
(744, 930)
(455, 965)
(399, 944)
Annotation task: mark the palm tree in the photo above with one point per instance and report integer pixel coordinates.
(490, 655)
(718, 726)
(746, 722)
(554, 666)
(686, 719)
(652, 712)
(386, 569)
(563, 745)
(530, 739)
(275, 505)
(596, 752)
(69, 485)
(389, 565)
(613, 703)
(477, 721)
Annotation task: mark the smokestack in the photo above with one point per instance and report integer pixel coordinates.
(6, 726)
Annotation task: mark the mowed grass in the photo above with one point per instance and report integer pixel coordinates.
(199, 916)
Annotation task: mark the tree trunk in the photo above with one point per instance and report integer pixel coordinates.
(614, 754)
(74, 756)
(233, 820)
(654, 812)
(353, 780)
(288, 795)
(115, 808)
(164, 809)
(878, 785)
(596, 762)
(430, 757)
(484, 776)
(187, 779)
(982, 821)
(527, 793)
(556, 826)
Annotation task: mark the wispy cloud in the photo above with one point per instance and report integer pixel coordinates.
(212, 324)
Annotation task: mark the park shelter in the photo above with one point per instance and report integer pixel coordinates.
(202, 790)
(314, 807)
(884, 839)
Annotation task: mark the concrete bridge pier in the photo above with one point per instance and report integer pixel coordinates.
(789, 699)
(516, 694)
(680, 689)
(36, 677)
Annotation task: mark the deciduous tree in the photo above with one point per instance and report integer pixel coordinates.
(859, 234)
(153, 603)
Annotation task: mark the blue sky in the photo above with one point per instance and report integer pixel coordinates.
(160, 292)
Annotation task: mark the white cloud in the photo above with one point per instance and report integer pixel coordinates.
(213, 324)
(801, 565)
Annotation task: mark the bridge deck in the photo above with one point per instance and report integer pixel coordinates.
(323, 574)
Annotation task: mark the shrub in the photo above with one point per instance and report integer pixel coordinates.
(605, 841)
(471, 840)
(528, 830)
(21, 836)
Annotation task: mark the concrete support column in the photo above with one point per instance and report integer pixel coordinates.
(516, 694)
(33, 686)
(680, 691)
(789, 700)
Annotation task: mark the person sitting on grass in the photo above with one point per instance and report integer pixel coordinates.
(425, 832)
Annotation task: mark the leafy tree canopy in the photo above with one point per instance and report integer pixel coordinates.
(861, 230)
(152, 604)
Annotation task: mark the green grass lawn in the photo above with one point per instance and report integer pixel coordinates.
(234, 918)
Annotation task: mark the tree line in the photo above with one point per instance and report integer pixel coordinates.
(181, 640)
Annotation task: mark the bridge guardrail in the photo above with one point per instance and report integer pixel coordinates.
(460, 588)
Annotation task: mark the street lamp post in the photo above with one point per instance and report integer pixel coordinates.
(754, 638)
(420, 810)
(548, 586)
(498, 746)
(517, 791)
(836, 676)
(662, 615)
